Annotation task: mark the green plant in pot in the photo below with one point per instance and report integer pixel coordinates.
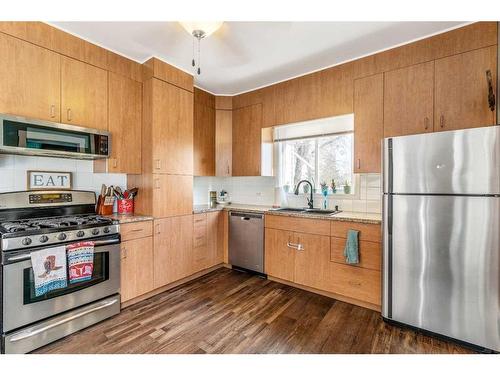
(333, 186)
(347, 187)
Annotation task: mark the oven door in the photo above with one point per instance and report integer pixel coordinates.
(22, 307)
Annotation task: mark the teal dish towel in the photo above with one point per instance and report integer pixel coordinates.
(351, 250)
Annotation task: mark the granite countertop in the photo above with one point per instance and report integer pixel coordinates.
(124, 219)
(356, 217)
(359, 217)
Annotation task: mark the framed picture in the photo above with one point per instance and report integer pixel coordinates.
(49, 180)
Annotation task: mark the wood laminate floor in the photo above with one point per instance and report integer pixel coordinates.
(231, 312)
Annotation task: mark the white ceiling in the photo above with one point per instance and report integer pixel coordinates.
(242, 56)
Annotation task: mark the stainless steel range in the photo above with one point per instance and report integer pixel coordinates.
(32, 221)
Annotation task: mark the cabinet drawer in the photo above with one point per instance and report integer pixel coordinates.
(298, 224)
(131, 231)
(355, 282)
(368, 232)
(199, 236)
(369, 253)
(199, 219)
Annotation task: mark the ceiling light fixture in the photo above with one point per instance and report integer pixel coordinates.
(200, 30)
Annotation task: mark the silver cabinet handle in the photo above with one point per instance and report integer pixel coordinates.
(30, 333)
(296, 246)
(441, 121)
(52, 111)
(157, 164)
(426, 123)
(69, 114)
(359, 163)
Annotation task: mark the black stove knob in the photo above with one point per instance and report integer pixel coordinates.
(95, 231)
(43, 239)
(61, 236)
(26, 241)
(106, 230)
(80, 233)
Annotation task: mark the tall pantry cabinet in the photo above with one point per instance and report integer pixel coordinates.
(167, 144)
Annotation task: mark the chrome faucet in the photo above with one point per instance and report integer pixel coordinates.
(310, 202)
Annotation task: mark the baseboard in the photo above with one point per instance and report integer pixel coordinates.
(164, 288)
(339, 297)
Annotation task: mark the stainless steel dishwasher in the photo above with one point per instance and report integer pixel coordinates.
(246, 241)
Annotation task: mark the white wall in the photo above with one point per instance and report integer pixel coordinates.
(262, 191)
(13, 172)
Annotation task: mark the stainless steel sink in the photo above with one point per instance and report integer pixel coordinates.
(289, 209)
(316, 211)
(307, 211)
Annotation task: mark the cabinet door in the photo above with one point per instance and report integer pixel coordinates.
(215, 252)
(84, 94)
(462, 90)
(30, 80)
(279, 257)
(223, 142)
(125, 114)
(172, 195)
(201, 253)
(408, 100)
(173, 254)
(247, 124)
(172, 132)
(312, 262)
(136, 268)
(368, 123)
(204, 140)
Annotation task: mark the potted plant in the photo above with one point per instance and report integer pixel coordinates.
(347, 187)
(333, 186)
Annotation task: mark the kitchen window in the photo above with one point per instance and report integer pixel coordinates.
(318, 151)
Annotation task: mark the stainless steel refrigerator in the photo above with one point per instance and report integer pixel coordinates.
(441, 234)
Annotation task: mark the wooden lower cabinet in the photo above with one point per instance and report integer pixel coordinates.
(279, 257)
(206, 241)
(136, 268)
(355, 282)
(312, 263)
(173, 244)
(305, 257)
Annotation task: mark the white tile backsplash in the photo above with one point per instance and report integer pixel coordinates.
(13, 172)
(263, 191)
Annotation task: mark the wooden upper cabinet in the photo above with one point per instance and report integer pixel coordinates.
(204, 140)
(368, 123)
(84, 94)
(172, 129)
(409, 100)
(246, 150)
(29, 79)
(125, 118)
(172, 195)
(461, 93)
(223, 143)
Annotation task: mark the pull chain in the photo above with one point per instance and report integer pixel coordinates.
(193, 62)
(199, 56)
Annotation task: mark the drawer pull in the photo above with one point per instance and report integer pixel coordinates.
(296, 246)
(137, 230)
(355, 283)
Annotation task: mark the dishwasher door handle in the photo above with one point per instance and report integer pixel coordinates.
(245, 218)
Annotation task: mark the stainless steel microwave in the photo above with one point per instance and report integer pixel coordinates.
(19, 135)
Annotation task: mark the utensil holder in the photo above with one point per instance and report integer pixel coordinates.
(125, 206)
(105, 205)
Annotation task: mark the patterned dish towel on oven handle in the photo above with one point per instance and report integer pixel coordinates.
(80, 261)
(49, 269)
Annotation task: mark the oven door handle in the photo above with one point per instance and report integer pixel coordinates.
(96, 243)
(107, 242)
(30, 333)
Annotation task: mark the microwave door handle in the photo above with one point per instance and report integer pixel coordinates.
(28, 333)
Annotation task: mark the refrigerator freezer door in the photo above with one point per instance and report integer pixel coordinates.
(454, 162)
(445, 266)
